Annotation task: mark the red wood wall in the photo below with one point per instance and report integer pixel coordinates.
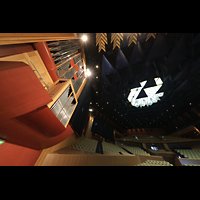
(22, 105)
(15, 155)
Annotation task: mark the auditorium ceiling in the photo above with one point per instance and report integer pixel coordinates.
(161, 69)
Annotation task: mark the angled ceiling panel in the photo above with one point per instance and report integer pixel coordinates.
(159, 47)
(121, 61)
(107, 68)
(137, 54)
(179, 52)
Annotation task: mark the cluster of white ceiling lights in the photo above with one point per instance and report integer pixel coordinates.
(151, 98)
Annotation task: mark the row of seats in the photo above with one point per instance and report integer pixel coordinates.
(190, 153)
(91, 145)
(136, 150)
(191, 165)
(112, 148)
(85, 144)
(154, 163)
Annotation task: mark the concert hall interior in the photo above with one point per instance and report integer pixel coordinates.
(99, 99)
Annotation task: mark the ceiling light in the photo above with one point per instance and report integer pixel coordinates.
(151, 92)
(90, 109)
(88, 72)
(97, 66)
(84, 38)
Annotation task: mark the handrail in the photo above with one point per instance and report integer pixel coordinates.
(40, 76)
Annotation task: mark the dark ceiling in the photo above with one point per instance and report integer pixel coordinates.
(174, 57)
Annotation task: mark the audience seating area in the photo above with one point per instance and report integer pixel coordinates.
(85, 144)
(154, 163)
(108, 147)
(191, 165)
(91, 145)
(189, 153)
(135, 150)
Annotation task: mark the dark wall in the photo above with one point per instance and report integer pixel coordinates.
(103, 129)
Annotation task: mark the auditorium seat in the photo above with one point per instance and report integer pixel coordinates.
(154, 163)
(135, 150)
(191, 165)
(190, 153)
(85, 144)
(108, 147)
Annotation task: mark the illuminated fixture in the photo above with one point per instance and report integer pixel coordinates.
(90, 109)
(1, 141)
(116, 38)
(84, 38)
(88, 72)
(151, 98)
(132, 37)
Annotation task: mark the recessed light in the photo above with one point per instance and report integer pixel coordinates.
(84, 38)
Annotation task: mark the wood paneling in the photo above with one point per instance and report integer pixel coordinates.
(65, 143)
(15, 155)
(17, 38)
(31, 58)
(20, 89)
(88, 160)
(96, 159)
(7, 50)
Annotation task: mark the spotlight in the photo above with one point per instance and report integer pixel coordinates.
(88, 72)
(84, 38)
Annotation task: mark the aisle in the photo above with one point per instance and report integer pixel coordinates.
(99, 148)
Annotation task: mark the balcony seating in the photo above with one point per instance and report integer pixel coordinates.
(154, 163)
(108, 147)
(136, 150)
(190, 153)
(85, 144)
